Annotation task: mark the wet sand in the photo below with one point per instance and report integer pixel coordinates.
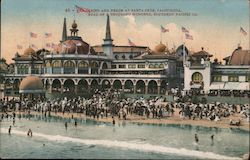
(174, 119)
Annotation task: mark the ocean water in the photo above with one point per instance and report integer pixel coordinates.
(125, 140)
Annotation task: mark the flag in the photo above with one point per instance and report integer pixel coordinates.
(184, 30)
(188, 36)
(19, 47)
(33, 46)
(131, 43)
(47, 35)
(163, 30)
(33, 35)
(48, 45)
(243, 31)
(80, 9)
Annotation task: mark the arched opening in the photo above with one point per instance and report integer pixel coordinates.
(197, 77)
(82, 86)
(106, 85)
(94, 85)
(129, 86)
(104, 66)
(152, 87)
(69, 67)
(56, 67)
(16, 86)
(164, 87)
(56, 85)
(83, 67)
(94, 67)
(69, 86)
(140, 87)
(46, 84)
(117, 84)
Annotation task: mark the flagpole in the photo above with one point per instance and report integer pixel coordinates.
(161, 35)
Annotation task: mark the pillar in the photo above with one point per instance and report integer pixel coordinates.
(146, 89)
(62, 88)
(123, 87)
(50, 88)
(158, 89)
(89, 70)
(134, 89)
(76, 89)
(62, 70)
(76, 69)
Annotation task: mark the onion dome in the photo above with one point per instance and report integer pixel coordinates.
(240, 57)
(29, 51)
(31, 84)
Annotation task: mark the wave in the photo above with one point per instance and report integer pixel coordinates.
(146, 147)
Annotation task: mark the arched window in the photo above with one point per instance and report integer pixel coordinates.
(69, 67)
(56, 64)
(161, 66)
(116, 57)
(56, 67)
(123, 56)
(131, 57)
(151, 66)
(156, 66)
(94, 67)
(83, 67)
(197, 77)
(83, 64)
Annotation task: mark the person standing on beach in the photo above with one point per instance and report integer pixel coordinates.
(113, 120)
(9, 130)
(75, 123)
(66, 125)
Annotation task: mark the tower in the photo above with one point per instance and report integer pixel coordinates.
(108, 41)
(64, 32)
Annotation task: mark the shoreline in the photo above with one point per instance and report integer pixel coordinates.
(224, 123)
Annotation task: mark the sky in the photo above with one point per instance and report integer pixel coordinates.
(214, 24)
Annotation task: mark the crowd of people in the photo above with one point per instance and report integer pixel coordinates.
(105, 104)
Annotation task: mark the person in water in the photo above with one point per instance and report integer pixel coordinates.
(196, 138)
(113, 120)
(29, 133)
(10, 130)
(66, 125)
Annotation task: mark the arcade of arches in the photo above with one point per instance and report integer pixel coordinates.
(89, 85)
(76, 86)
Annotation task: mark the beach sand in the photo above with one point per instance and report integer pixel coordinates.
(174, 119)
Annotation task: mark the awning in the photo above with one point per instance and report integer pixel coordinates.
(216, 86)
(195, 86)
(244, 86)
(236, 86)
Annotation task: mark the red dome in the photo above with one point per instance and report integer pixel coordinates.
(69, 47)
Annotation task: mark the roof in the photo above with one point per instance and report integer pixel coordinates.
(202, 53)
(31, 84)
(74, 46)
(240, 57)
(122, 49)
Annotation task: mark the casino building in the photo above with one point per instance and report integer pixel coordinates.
(76, 68)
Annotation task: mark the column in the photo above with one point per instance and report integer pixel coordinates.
(89, 72)
(62, 70)
(29, 71)
(15, 69)
(158, 89)
(76, 89)
(134, 89)
(146, 89)
(62, 88)
(123, 87)
(50, 88)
